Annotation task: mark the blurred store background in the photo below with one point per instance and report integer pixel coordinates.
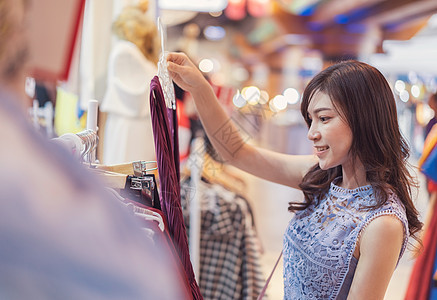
(260, 54)
(269, 49)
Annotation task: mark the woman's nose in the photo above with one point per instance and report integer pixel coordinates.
(313, 134)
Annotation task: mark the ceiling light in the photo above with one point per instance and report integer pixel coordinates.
(206, 65)
(404, 95)
(399, 86)
(239, 100)
(292, 95)
(280, 102)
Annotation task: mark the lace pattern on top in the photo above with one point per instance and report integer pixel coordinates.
(320, 241)
(166, 82)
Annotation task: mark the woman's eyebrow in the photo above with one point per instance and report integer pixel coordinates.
(317, 110)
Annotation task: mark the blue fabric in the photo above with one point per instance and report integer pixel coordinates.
(320, 241)
(429, 166)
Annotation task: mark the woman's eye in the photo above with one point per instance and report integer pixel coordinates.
(324, 119)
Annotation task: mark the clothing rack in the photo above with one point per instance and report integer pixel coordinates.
(91, 124)
(83, 145)
(163, 75)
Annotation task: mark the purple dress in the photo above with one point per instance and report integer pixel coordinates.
(164, 125)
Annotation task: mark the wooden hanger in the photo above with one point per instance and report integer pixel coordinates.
(126, 168)
(111, 179)
(219, 173)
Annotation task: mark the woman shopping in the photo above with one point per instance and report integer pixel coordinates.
(346, 238)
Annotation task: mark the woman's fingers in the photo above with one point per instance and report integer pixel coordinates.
(179, 75)
(177, 58)
(174, 67)
(183, 71)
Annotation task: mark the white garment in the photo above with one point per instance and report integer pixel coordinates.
(128, 132)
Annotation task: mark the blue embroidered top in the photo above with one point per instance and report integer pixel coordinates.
(320, 241)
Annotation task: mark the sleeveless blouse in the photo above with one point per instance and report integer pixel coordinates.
(319, 241)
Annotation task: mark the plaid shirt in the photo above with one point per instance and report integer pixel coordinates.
(229, 248)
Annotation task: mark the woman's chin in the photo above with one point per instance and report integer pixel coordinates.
(323, 166)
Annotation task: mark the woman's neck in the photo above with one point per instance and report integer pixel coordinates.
(354, 177)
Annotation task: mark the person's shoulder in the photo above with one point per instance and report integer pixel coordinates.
(394, 202)
(125, 53)
(390, 217)
(123, 48)
(392, 210)
(124, 45)
(388, 224)
(384, 232)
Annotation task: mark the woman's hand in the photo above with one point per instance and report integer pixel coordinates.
(184, 73)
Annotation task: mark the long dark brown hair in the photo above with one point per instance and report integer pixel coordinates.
(363, 98)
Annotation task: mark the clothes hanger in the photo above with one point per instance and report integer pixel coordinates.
(219, 173)
(79, 144)
(140, 167)
(90, 140)
(139, 187)
(128, 168)
(111, 179)
(115, 176)
(163, 75)
(150, 215)
(214, 172)
(115, 193)
(125, 168)
(140, 211)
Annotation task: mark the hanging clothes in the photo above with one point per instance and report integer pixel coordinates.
(419, 287)
(147, 196)
(164, 124)
(229, 248)
(161, 238)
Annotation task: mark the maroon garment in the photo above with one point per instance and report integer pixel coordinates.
(164, 126)
(422, 273)
(161, 240)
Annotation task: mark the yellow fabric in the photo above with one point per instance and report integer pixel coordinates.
(66, 114)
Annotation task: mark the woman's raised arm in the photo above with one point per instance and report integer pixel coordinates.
(225, 136)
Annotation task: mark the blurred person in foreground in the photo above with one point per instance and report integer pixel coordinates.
(62, 236)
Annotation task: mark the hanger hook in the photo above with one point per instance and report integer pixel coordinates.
(161, 34)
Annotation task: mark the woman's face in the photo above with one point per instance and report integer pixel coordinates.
(331, 136)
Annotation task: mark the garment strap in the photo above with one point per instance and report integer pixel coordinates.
(261, 295)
